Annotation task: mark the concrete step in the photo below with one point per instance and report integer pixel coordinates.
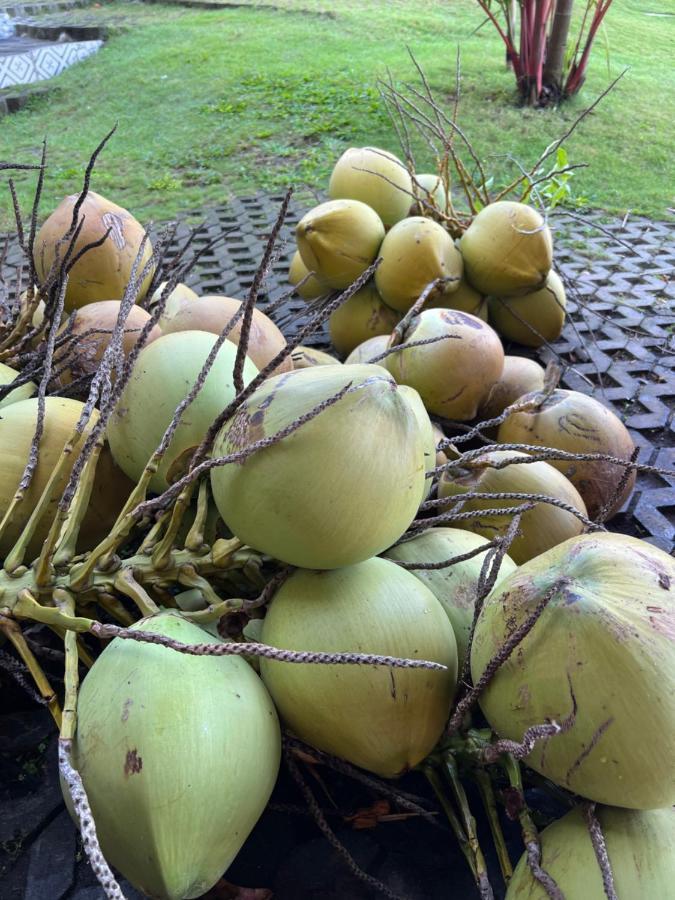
(27, 60)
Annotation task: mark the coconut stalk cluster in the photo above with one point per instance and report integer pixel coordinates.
(253, 550)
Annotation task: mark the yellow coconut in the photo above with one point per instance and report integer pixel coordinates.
(212, 314)
(576, 423)
(414, 253)
(103, 272)
(339, 240)
(430, 188)
(91, 332)
(368, 350)
(455, 374)
(465, 299)
(312, 288)
(520, 376)
(541, 528)
(306, 357)
(427, 429)
(7, 376)
(375, 177)
(535, 319)
(441, 458)
(363, 316)
(507, 249)
(179, 295)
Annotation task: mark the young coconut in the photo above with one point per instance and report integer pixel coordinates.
(430, 188)
(414, 253)
(103, 272)
(91, 329)
(640, 849)
(427, 429)
(178, 777)
(603, 647)
(368, 350)
(542, 527)
(576, 423)
(385, 720)
(326, 495)
(163, 376)
(465, 299)
(23, 392)
(312, 288)
(212, 313)
(17, 428)
(363, 316)
(375, 177)
(441, 458)
(308, 357)
(455, 374)
(507, 249)
(455, 586)
(338, 240)
(520, 376)
(535, 319)
(179, 296)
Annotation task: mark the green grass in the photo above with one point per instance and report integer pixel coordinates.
(240, 100)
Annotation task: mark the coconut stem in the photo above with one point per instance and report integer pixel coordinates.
(13, 633)
(487, 794)
(195, 536)
(437, 785)
(126, 584)
(162, 553)
(600, 848)
(115, 609)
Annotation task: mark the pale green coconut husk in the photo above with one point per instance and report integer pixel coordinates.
(376, 178)
(535, 319)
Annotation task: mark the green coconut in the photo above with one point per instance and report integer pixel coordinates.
(103, 272)
(535, 319)
(339, 489)
(383, 719)
(465, 299)
(375, 177)
(178, 755)
(179, 296)
(414, 253)
(604, 642)
(308, 357)
(640, 847)
(573, 422)
(507, 249)
(368, 350)
(23, 392)
(363, 316)
(456, 373)
(312, 288)
(454, 586)
(427, 429)
(338, 240)
(542, 527)
(520, 376)
(430, 188)
(163, 376)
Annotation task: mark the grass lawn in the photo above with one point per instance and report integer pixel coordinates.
(211, 103)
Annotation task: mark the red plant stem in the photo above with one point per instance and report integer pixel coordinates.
(510, 49)
(578, 70)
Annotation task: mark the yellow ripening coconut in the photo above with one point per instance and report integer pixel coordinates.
(307, 357)
(103, 272)
(455, 374)
(430, 188)
(507, 249)
(375, 177)
(7, 376)
(427, 429)
(179, 295)
(17, 427)
(441, 458)
(91, 332)
(541, 528)
(532, 320)
(339, 240)
(640, 847)
(368, 350)
(312, 288)
(603, 650)
(339, 489)
(520, 376)
(414, 253)
(178, 755)
(163, 376)
(363, 316)
(455, 586)
(465, 299)
(573, 422)
(385, 720)
(212, 314)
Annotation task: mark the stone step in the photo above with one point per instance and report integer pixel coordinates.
(59, 30)
(28, 60)
(39, 7)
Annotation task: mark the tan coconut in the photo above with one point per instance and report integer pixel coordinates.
(339, 240)
(541, 528)
(441, 458)
(375, 177)
(455, 374)
(103, 272)
(576, 423)
(414, 253)
(306, 357)
(520, 376)
(368, 350)
(179, 295)
(312, 288)
(465, 299)
(363, 316)
(535, 319)
(507, 249)
(430, 188)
